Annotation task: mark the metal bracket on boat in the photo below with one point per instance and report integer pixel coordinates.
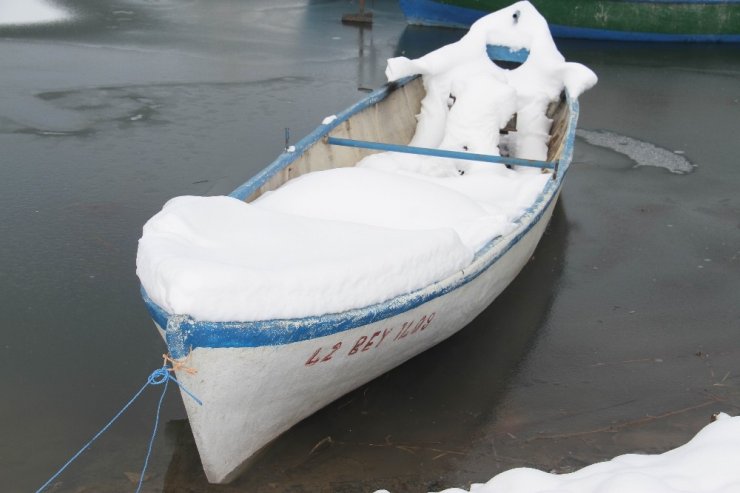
(426, 151)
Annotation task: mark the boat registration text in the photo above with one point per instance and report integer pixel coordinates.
(370, 341)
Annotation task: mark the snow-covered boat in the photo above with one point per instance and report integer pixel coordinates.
(258, 377)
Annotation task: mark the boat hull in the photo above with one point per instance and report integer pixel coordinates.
(257, 378)
(618, 20)
(253, 394)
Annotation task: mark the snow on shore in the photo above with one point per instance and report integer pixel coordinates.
(24, 12)
(708, 463)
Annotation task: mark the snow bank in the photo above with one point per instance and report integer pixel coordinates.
(221, 259)
(22, 12)
(706, 464)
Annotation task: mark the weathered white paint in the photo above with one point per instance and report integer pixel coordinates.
(252, 395)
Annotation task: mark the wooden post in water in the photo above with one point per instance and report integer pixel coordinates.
(360, 17)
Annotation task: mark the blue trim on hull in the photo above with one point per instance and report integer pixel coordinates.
(431, 13)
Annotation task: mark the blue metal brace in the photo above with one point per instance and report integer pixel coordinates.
(426, 151)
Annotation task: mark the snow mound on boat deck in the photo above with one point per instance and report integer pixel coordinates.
(221, 259)
(327, 241)
(495, 188)
(708, 463)
(478, 205)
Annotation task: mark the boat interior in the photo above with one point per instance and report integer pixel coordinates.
(391, 123)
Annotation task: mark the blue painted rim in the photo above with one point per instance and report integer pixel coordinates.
(506, 54)
(183, 333)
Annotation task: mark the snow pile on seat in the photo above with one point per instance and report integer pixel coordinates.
(537, 82)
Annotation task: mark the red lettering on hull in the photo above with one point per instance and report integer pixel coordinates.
(316, 356)
(357, 345)
(367, 343)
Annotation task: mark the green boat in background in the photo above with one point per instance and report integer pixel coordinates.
(623, 20)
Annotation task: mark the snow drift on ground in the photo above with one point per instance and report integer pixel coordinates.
(22, 12)
(347, 238)
(709, 463)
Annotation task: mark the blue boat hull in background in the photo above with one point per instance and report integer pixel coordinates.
(614, 20)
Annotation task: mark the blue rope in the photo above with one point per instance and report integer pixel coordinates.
(158, 377)
(154, 434)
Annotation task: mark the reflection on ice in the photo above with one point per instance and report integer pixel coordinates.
(642, 153)
(21, 12)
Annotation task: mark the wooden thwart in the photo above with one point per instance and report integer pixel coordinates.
(426, 151)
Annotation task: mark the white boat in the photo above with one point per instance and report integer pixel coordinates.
(257, 379)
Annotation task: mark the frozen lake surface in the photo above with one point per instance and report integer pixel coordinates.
(621, 335)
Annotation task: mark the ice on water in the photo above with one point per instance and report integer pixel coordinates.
(642, 153)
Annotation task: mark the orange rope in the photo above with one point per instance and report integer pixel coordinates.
(179, 364)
